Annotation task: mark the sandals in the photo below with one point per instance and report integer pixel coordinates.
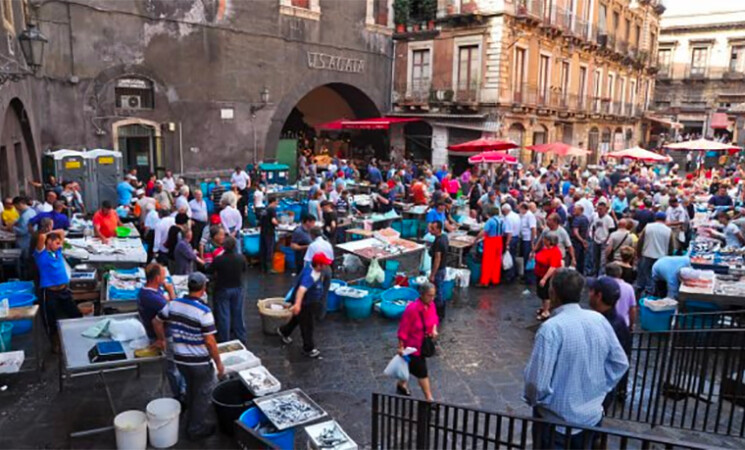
(403, 391)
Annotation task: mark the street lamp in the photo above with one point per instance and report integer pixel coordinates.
(264, 97)
(32, 45)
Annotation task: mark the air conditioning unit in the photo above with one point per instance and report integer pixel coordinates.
(131, 102)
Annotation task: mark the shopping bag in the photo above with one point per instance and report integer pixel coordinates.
(374, 273)
(398, 367)
(507, 262)
(531, 265)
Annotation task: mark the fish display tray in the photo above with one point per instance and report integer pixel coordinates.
(269, 405)
(260, 381)
(316, 435)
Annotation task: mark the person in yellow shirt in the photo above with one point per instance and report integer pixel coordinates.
(9, 214)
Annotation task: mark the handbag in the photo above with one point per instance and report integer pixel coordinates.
(428, 344)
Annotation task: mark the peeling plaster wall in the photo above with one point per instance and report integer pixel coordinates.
(202, 55)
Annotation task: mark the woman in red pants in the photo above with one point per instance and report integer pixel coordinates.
(491, 263)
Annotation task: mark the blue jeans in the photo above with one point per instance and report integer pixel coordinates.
(229, 314)
(580, 254)
(439, 300)
(542, 437)
(173, 375)
(596, 262)
(511, 274)
(644, 281)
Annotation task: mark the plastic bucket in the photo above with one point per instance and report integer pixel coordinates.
(6, 332)
(16, 287)
(278, 262)
(358, 308)
(230, 398)
(162, 422)
(20, 300)
(253, 418)
(652, 320)
(270, 318)
(131, 430)
(251, 244)
(447, 289)
(333, 302)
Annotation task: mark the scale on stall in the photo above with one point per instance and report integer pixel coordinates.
(83, 277)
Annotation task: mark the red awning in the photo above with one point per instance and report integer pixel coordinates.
(378, 123)
(333, 125)
(719, 121)
(483, 145)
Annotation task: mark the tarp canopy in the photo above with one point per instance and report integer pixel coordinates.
(492, 158)
(702, 145)
(665, 122)
(559, 149)
(719, 121)
(378, 123)
(483, 145)
(639, 154)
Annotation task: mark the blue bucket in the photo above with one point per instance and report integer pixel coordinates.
(19, 301)
(251, 244)
(16, 287)
(333, 303)
(6, 331)
(395, 300)
(447, 289)
(358, 308)
(652, 320)
(289, 258)
(253, 418)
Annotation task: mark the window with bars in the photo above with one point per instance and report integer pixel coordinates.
(420, 71)
(663, 61)
(698, 60)
(737, 59)
(468, 68)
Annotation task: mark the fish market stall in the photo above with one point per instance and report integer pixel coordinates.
(96, 346)
(119, 252)
(407, 253)
(459, 242)
(727, 291)
(120, 288)
(710, 254)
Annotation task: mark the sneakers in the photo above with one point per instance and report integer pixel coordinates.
(287, 340)
(315, 353)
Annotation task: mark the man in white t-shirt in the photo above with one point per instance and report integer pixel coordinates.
(511, 238)
(241, 179)
(528, 233)
(601, 226)
(169, 183)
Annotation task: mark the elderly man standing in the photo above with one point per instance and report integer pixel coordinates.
(576, 361)
(655, 242)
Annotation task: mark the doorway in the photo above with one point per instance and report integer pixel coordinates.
(140, 149)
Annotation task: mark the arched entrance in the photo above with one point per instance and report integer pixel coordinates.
(516, 133)
(295, 124)
(593, 143)
(18, 158)
(139, 140)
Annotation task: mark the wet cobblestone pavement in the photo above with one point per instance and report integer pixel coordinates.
(485, 342)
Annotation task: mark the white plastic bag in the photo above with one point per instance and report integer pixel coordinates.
(374, 273)
(398, 368)
(126, 330)
(507, 262)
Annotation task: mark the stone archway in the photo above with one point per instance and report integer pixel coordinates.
(18, 156)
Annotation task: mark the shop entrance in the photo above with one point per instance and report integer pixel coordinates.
(141, 149)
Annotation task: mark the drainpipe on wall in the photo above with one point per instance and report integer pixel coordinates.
(181, 147)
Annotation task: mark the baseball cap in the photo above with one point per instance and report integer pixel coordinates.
(196, 281)
(607, 286)
(659, 215)
(320, 258)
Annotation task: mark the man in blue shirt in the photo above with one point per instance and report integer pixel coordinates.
(124, 191)
(576, 361)
(722, 198)
(301, 240)
(150, 301)
(306, 299)
(60, 221)
(666, 272)
(373, 174)
(56, 298)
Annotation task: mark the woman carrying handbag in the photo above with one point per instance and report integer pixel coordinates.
(418, 329)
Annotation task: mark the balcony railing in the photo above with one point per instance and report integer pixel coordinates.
(696, 72)
(467, 93)
(622, 47)
(416, 91)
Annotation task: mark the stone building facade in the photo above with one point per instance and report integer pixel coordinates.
(534, 71)
(701, 78)
(196, 85)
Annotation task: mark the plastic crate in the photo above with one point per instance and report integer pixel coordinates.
(654, 321)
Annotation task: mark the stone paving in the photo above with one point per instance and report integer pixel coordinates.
(485, 342)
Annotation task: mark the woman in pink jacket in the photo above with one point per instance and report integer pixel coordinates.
(419, 320)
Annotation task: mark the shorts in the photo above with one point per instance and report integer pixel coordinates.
(542, 291)
(418, 366)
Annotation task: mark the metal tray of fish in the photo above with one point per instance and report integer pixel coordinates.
(288, 409)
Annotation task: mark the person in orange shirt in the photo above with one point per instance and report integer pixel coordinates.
(419, 192)
(105, 222)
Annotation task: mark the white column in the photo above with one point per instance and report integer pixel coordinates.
(439, 146)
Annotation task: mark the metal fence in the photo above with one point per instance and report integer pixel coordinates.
(691, 377)
(407, 423)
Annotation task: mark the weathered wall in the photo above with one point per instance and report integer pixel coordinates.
(201, 55)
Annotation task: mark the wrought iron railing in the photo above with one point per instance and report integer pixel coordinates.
(407, 423)
(689, 378)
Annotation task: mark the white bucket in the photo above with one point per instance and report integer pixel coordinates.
(162, 421)
(131, 432)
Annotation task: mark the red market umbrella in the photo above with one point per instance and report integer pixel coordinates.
(493, 158)
(558, 149)
(377, 123)
(702, 145)
(639, 154)
(483, 145)
(334, 125)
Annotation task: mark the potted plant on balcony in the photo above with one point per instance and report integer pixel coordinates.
(448, 95)
(401, 14)
(429, 12)
(468, 7)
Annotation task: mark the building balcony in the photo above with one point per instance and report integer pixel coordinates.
(733, 75)
(467, 93)
(529, 9)
(413, 93)
(696, 72)
(622, 47)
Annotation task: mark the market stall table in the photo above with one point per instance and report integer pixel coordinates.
(408, 253)
(459, 242)
(29, 313)
(75, 362)
(727, 291)
(120, 252)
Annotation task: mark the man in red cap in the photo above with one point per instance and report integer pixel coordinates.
(306, 299)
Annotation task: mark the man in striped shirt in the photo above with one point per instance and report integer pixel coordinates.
(192, 328)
